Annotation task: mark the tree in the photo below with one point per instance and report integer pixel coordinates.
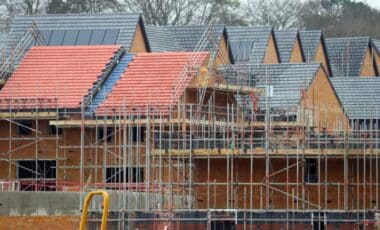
(58, 7)
(323, 14)
(221, 11)
(10, 8)
(82, 6)
(156, 12)
(164, 12)
(21, 6)
(32, 6)
(174, 12)
(340, 18)
(281, 14)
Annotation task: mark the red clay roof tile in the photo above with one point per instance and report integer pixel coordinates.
(149, 81)
(55, 76)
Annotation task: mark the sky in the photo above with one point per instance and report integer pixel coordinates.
(373, 3)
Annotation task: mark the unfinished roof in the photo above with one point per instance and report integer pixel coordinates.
(52, 76)
(79, 29)
(360, 97)
(161, 39)
(285, 40)
(248, 43)
(310, 40)
(346, 55)
(149, 81)
(287, 79)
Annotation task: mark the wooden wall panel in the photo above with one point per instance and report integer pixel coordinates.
(223, 54)
(368, 68)
(296, 53)
(377, 59)
(271, 54)
(320, 57)
(138, 44)
(324, 104)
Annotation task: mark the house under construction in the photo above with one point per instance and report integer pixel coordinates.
(198, 137)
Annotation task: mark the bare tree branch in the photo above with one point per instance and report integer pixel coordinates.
(172, 12)
(278, 13)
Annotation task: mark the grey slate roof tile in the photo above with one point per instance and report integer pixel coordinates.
(185, 38)
(125, 23)
(346, 55)
(161, 39)
(255, 39)
(287, 79)
(360, 96)
(309, 42)
(188, 36)
(3, 37)
(376, 43)
(285, 40)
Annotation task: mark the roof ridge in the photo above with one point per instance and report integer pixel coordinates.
(310, 31)
(296, 31)
(356, 78)
(279, 64)
(190, 25)
(337, 38)
(293, 64)
(75, 14)
(266, 27)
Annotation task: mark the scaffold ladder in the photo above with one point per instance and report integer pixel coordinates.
(191, 64)
(213, 54)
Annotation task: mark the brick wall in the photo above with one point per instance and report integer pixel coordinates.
(39, 222)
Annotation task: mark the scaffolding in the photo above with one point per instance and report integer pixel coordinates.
(199, 163)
